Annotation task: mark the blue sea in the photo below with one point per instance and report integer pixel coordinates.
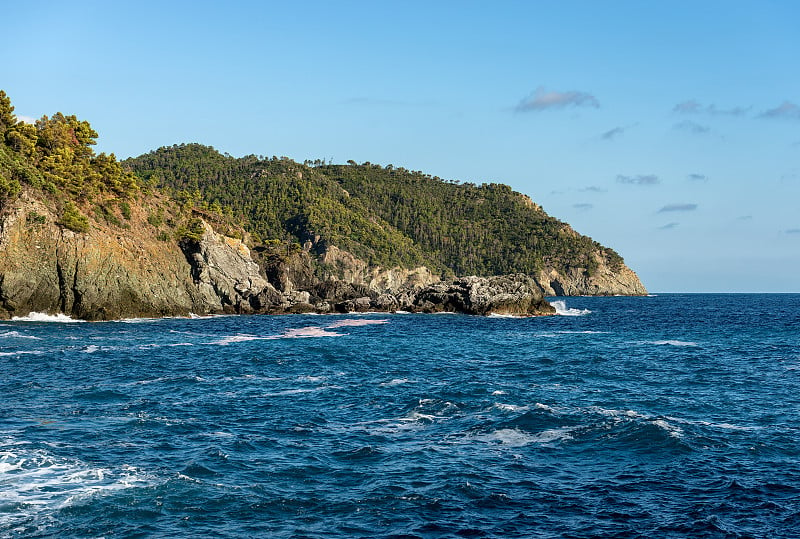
(663, 416)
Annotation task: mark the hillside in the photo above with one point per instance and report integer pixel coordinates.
(390, 216)
(185, 229)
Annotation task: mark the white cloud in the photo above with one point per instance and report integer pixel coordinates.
(541, 99)
(785, 110)
(641, 179)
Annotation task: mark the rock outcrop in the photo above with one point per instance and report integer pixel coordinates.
(102, 274)
(111, 272)
(602, 281)
(516, 294)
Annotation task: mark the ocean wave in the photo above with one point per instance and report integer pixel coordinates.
(672, 342)
(23, 353)
(17, 335)
(395, 382)
(44, 317)
(35, 481)
(350, 322)
(514, 437)
(309, 332)
(562, 309)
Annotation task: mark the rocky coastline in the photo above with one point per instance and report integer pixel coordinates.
(105, 275)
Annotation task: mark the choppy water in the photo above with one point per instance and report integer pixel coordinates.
(667, 416)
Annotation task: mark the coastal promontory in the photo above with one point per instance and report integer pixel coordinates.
(185, 229)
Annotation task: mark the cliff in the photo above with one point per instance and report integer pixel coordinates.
(372, 225)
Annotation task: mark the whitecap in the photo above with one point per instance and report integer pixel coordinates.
(586, 332)
(671, 342)
(22, 353)
(44, 317)
(517, 438)
(230, 339)
(562, 309)
(498, 392)
(350, 322)
(509, 407)
(395, 382)
(309, 332)
(18, 335)
(672, 430)
(546, 408)
(35, 481)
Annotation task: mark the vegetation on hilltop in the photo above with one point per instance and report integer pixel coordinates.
(278, 199)
(486, 229)
(53, 158)
(385, 215)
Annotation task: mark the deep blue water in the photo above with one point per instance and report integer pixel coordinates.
(666, 416)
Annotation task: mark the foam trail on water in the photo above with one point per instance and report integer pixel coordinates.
(44, 317)
(562, 309)
(34, 481)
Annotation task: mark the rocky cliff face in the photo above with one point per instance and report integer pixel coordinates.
(103, 274)
(602, 281)
(111, 272)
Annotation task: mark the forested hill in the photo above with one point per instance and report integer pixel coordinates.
(385, 215)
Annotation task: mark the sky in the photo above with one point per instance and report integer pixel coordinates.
(669, 131)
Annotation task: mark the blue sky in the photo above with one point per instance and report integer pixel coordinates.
(669, 131)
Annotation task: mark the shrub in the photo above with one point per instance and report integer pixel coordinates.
(73, 219)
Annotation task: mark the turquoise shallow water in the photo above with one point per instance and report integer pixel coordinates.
(666, 416)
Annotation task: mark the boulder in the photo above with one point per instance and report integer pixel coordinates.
(515, 294)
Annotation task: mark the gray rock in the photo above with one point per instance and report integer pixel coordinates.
(516, 294)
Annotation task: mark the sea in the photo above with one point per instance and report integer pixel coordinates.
(672, 415)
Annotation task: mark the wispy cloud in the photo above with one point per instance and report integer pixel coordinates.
(611, 133)
(678, 207)
(693, 107)
(583, 206)
(641, 179)
(698, 177)
(542, 99)
(25, 119)
(793, 231)
(692, 127)
(669, 226)
(745, 218)
(592, 189)
(785, 110)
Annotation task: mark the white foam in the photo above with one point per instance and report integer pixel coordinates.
(562, 309)
(350, 322)
(138, 320)
(309, 332)
(674, 343)
(396, 382)
(230, 339)
(498, 392)
(672, 430)
(587, 332)
(17, 335)
(509, 407)
(517, 438)
(44, 317)
(22, 353)
(34, 481)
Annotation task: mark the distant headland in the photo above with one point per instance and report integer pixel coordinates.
(187, 229)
